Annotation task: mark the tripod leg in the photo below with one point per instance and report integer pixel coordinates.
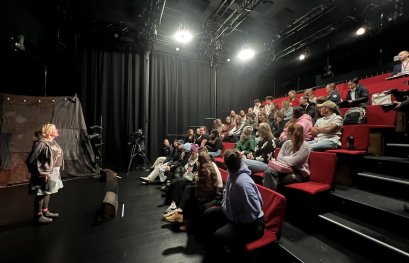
(131, 158)
(146, 161)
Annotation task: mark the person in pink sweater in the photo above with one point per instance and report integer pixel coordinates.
(299, 117)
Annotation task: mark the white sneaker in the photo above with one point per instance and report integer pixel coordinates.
(169, 211)
(145, 180)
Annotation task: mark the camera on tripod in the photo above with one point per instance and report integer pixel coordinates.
(136, 137)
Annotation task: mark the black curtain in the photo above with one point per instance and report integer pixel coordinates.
(180, 96)
(162, 94)
(112, 91)
(238, 86)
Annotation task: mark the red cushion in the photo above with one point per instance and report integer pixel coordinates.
(310, 187)
(258, 174)
(344, 151)
(274, 210)
(267, 238)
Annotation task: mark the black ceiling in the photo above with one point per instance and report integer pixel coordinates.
(277, 29)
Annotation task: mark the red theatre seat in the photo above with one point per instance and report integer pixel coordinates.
(360, 133)
(226, 145)
(322, 170)
(274, 210)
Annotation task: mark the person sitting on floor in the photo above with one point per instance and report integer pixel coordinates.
(190, 136)
(197, 197)
(167, 151)
(240, 218)
(159, 170)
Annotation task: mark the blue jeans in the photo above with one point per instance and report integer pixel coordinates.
(322, 146)
(255, 165)
(215, 154)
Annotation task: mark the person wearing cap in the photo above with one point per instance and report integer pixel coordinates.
(403, 67)
(156, 171)
(357, 95)
(327, 129)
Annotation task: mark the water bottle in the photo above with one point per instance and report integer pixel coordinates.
(350, 142)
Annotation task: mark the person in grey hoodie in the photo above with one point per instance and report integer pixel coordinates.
(239, 220)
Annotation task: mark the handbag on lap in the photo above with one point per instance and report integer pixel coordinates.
(280, 167)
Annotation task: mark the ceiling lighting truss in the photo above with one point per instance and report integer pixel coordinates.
(150, 19)
(312, 38)
(214, 35)
(307, 19)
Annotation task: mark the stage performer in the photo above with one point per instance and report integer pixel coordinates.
(44, 163)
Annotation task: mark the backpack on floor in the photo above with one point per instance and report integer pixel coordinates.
(355, 115)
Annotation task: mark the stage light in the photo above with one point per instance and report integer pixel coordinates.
(228, 60)
(302, 57)
(177, 49)
(183, 35)
(360, 31)
(246, 52)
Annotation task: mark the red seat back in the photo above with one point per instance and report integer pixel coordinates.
(227, 145)
(273, 208)
(322, 167)
(376, 116)
(360, 133)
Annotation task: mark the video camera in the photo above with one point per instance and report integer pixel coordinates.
(136, 137)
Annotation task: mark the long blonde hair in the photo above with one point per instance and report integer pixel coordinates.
(265, 131)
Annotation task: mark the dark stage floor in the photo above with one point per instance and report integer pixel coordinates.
(139, 236)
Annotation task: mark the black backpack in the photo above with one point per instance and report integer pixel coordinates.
(355, 115)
